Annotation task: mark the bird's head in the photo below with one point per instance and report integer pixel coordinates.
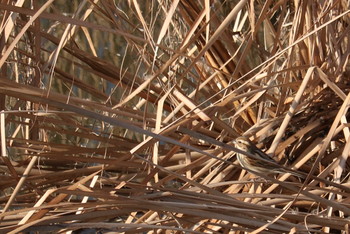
(242, 142)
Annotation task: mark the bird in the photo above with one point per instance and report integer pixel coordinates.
(257, 161)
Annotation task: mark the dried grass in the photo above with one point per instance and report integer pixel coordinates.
(119, 116)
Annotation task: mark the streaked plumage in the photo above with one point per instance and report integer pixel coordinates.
(261, 162)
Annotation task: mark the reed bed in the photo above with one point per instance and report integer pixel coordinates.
(119, 116)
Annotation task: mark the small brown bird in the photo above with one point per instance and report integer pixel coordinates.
(256, 160)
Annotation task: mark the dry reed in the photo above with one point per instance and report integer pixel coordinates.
(118, 116)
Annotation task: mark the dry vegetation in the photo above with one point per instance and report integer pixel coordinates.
(118, 116)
